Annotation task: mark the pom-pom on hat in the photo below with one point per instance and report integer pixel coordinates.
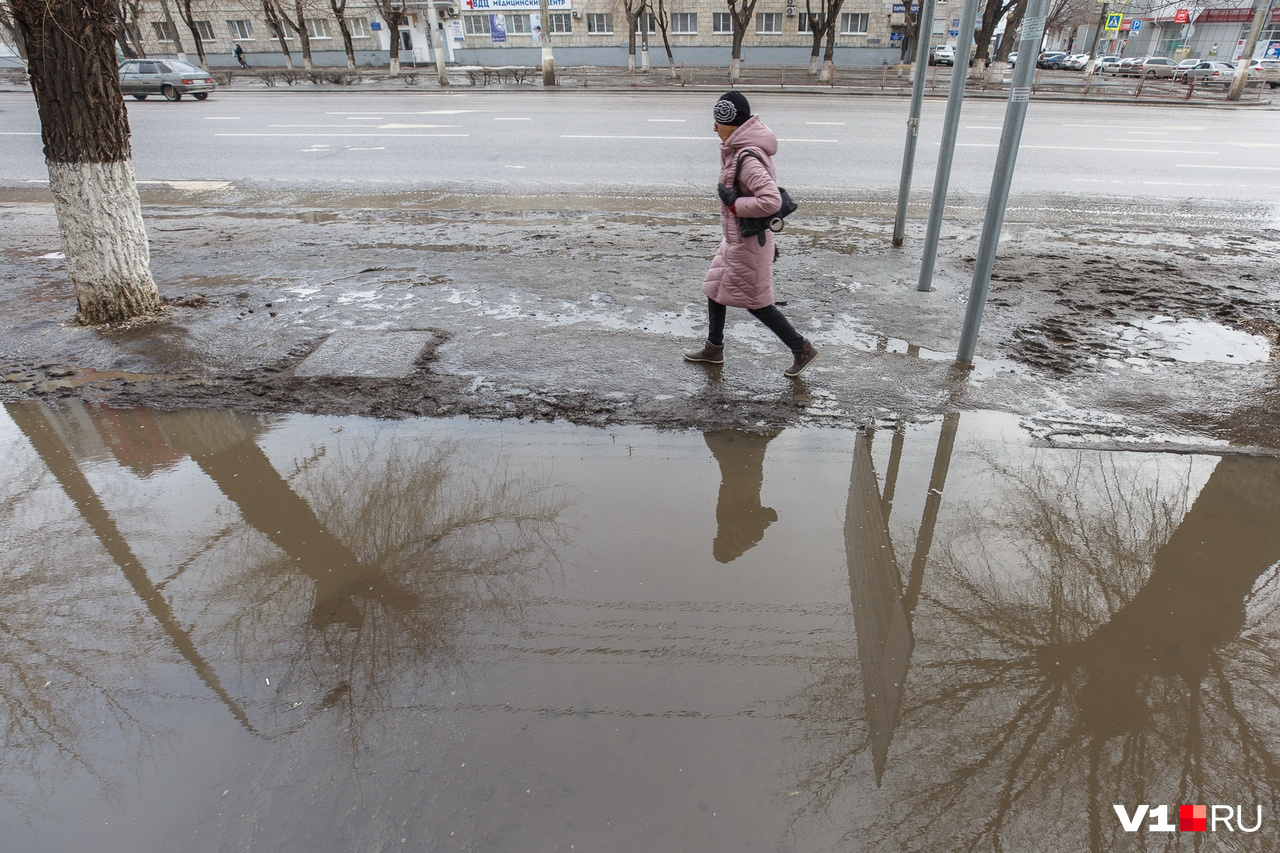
(732, 109)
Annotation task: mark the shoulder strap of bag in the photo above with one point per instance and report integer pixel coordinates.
(746, 152)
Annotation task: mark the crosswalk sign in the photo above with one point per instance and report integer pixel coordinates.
(1113, 22)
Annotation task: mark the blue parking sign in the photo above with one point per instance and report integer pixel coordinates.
(1135, 25)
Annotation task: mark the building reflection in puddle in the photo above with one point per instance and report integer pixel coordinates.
(1094, 631)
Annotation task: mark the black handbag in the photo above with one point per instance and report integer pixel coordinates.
(750, 226)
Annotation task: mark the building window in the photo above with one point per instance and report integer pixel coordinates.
(240, 30)
(721, 23)
(561, 22)
(684, 23)
(769, 23)
(318, 28)
(519, 25)
(359, 27)
(811, 23)
(853, 24)
(205, 29)
(645, 22)
(277, 32)
(164, 31)
(600, 23)
(475, 25)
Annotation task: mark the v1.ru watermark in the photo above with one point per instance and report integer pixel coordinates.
(1190, 818)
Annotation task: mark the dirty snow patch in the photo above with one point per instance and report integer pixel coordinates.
(1189, 341)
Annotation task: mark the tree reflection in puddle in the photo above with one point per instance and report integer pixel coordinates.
(1082, 639)
(286, 589)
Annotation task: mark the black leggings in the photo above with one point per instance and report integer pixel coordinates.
(769, 315)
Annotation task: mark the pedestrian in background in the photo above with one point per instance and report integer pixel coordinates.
(741, 274)
(240, 57)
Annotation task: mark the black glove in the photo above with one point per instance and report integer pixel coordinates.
(728, 195)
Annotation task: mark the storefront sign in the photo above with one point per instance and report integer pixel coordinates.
(512, 5)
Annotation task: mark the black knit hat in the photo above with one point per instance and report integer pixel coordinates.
(732, 109)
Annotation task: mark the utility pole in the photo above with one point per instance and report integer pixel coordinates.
(437, 41)
(1242, 70)
(548, 59)
(924, 36)
(1093, 43)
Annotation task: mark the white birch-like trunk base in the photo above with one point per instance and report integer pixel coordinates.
(104, 239)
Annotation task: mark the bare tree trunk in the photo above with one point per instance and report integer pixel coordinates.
(299, 26)
(173, 29)
(273, 21)
(85, 128)
(663, 18)
(393, 13)
(339, 13)
(815, 33)
(829, 56)
(130, 12)
(188, 18)
(740, 11)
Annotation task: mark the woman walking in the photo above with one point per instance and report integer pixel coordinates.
(741, 274)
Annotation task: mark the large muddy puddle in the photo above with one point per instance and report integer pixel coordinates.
(228, 632)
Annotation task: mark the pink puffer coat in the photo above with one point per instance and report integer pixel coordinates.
(741, 274)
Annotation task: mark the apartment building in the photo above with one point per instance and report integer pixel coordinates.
(509, 32)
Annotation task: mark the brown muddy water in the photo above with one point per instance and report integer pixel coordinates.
(228, 632)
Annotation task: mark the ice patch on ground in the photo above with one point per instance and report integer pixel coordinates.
(1188, 341)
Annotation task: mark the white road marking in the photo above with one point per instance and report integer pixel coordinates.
(1082, 148)
(1215, 166)
(222, 118)
(358, 115)
(19, 133)
(673, 120)
(794, 139)
(376, 135)
(1140, 127)
(378, 148)
(831, 123)
(606, 136)
(192, 185)
(510, 118)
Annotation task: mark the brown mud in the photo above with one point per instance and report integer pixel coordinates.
(580, 314)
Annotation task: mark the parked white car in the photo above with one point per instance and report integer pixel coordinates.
(1076, 61)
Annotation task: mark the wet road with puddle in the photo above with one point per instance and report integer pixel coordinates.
(224, 631)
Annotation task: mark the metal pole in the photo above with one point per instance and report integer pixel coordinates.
(1014, 116)
(923, 37)
(950, 127)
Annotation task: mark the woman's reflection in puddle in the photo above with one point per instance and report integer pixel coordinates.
(741, 520)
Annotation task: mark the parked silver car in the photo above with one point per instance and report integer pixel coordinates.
(169, 77)
(1155, 66)
(1203, 73)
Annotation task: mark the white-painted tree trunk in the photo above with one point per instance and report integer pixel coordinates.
(814, 62)
(105, 241)
(828, 71)
(735, 70)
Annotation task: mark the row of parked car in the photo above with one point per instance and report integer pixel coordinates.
(1200, 71)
